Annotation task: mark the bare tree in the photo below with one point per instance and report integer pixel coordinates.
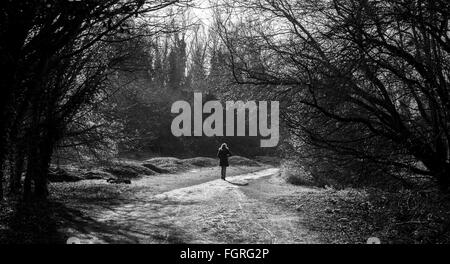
(56, 56)
(359, 71)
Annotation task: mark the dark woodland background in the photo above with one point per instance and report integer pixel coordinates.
(363, 89)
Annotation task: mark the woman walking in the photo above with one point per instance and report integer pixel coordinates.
(223, 155)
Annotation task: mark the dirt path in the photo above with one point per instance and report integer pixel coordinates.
(239, 210)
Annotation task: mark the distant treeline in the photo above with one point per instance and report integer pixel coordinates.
(160, 72)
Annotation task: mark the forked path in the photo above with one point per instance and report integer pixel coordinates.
(238, 210)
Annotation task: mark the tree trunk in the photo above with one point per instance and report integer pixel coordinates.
(443, 177)
(27, 184)
(36, 173)
(40, 184)
(41, 172)
(3, 148)
(1, 183)
(16, 172)
(32, 158)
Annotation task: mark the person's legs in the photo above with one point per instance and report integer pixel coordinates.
(222, 172)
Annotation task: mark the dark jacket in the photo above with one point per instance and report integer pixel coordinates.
(223, 155)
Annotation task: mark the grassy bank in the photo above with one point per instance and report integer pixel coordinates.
(352, 215)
